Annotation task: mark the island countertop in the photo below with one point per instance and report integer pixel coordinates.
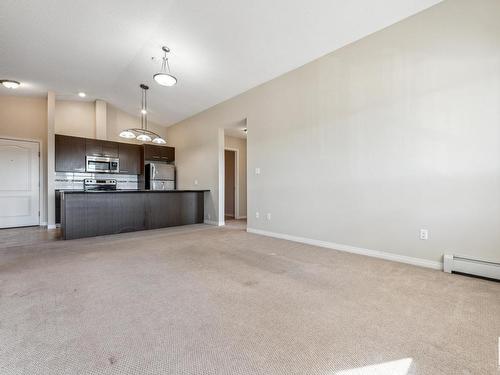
(100, 212)
(130, 191)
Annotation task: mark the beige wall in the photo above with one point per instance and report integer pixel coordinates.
(26, 119)
(240, 144)
(197, 160)
(76, 118)
(369, 144)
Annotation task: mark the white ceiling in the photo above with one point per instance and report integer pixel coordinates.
(219, 48)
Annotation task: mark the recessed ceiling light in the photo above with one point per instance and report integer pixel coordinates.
(10, 84)
(82, 94)
(144, 112)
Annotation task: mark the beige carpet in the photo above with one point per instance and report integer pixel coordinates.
(205, 300)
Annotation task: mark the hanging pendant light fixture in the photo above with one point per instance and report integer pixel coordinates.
(143, 134)
(163, 78)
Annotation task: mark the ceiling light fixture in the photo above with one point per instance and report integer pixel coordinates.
(163, 78)
(82, 94)
(10, 84)
(143, 134)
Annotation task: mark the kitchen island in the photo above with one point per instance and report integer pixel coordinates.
(96, 213)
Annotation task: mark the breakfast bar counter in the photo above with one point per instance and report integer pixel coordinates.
(96, 213)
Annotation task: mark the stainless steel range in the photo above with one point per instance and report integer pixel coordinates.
(90, 184)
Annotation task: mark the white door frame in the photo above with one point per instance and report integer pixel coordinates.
(236, 182)
(41, 178)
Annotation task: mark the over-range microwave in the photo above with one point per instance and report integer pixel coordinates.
(102, 164)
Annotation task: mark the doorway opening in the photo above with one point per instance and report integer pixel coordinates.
(234, 175)
(230, 173)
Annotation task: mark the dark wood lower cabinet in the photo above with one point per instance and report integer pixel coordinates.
(88, 214)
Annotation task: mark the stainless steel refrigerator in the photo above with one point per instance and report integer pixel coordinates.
(160, 176)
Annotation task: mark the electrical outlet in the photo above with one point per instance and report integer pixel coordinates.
(257, 170)
(268, 216)
(196, 182)
(424, 234)
(257, 215)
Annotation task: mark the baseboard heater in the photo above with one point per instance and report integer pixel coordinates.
(470, 266)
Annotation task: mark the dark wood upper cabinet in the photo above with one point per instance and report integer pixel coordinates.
(69, 154)
(96, 147)
(130, 158)
(93, 147)
(159, 153)
(109, 149)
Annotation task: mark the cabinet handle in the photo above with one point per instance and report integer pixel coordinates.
(156, 157)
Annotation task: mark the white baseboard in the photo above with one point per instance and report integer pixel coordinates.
(43, 224)
(352, 249)
(241, 217)
(52, 226)
(211, 222)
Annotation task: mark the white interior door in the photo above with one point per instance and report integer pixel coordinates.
(19, 183)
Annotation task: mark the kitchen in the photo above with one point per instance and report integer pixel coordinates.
(105, 187)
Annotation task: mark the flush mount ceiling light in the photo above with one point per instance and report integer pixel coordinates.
(163, 78)
(143, 134)
(10, 84)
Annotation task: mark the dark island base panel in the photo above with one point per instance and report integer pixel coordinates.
(95, 214)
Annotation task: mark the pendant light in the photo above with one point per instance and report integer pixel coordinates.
(143, 134)
(163, 78)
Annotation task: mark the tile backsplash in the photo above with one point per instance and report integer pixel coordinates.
(74, 181)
